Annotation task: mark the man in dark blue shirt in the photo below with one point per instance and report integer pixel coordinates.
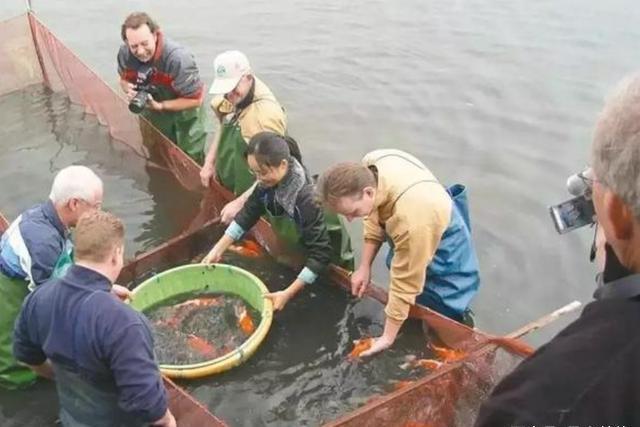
(98, 349)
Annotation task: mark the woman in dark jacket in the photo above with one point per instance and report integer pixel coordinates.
(284, 190)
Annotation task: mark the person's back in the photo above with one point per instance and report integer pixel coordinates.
(100, 349)
(589, 374)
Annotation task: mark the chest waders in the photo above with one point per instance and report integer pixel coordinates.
(186, 128)
(231, 166)
(452, 275)
(12, 374)
(288, 232)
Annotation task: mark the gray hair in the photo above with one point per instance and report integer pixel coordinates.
(75, 181)
(616, 143)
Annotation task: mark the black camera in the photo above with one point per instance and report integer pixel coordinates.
(144, 88)
(579, 211)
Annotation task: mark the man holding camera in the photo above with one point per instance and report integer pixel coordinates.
(162, 82)
(588, 374)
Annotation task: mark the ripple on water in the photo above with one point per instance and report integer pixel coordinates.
(43, 132)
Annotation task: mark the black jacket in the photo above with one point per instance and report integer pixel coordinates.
(588, 375)
(308, 217)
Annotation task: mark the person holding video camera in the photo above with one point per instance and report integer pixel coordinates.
(589, 373)
(162, 83)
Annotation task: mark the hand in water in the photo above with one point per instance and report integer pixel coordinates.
(360, 280)
(379, 344)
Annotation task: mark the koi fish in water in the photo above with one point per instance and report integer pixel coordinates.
(200, 345)
(247, 248)
(182, 310)
(245, 321)
(201, 302)
(448, 354)
(360, 347)
(413, 362)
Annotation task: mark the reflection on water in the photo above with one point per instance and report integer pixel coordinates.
(43, 132)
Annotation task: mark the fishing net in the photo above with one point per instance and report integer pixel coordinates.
(447, 395)
(197, 328)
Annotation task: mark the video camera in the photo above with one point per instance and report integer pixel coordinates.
(579, 211)
(144, 88)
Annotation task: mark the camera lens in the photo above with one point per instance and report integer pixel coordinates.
(138, 102)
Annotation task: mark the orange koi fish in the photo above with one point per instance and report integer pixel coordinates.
(359, 347)
(413, 362)
(448, 354)
(207, 301)
(182, 309)
(416, 424)
(245, 321)
(202, 346)
(428, 363)
(247, 248)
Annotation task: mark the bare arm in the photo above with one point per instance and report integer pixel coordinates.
(361, 278)
(215, 254)
(281, 298)
(211, 154)
(173, 105)
(370, 250)
(208, 167)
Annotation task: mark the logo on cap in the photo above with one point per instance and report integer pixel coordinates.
(221, 70)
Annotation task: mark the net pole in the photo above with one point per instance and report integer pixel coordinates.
(33, 25)
(545, 320)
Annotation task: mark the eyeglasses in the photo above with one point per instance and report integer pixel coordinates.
(259, 174)
(96, 205)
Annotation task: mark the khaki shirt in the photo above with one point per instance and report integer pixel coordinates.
(263, 114)
(414, 211)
